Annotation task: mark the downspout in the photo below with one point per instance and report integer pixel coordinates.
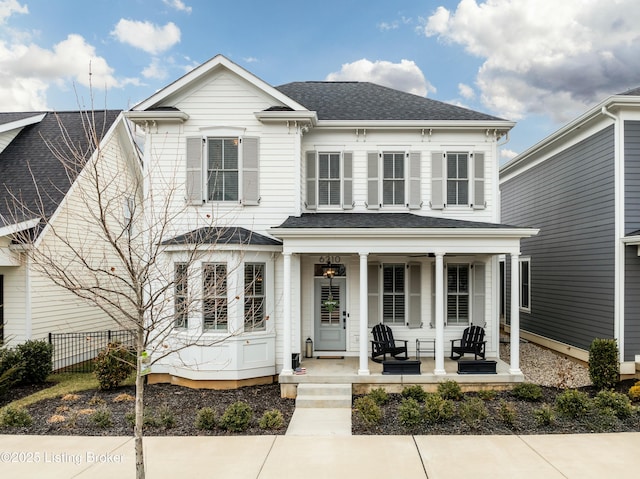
(28, 320)
(618, 313)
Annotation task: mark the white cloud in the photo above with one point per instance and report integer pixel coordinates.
(155, 70)
(9, 7)
(506, 155)
(178, 5)
(250, 59)
(405, 76)
(386, 26)
(146, 36)
(466, 91)
(545, 56)
(27, 70)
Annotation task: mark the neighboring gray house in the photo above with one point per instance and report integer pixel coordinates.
(580, 276)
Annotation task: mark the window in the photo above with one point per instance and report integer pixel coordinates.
(254, 297)
(393, 293)
(181, 286)
(457, 178)
(393, 178)
(214, 303)
(525, 284)
(329, 179)
(222, 170)
(457, 294)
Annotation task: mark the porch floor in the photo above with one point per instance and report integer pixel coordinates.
(345, 370)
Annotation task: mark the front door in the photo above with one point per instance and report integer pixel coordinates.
(330, 314)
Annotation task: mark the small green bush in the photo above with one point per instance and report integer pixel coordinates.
(37, 357)
(438, 409)
(410, 413)
(149, 418)
(237, 417)
(527, 392)
(368, 410)
(602, 420)
(487, 394)
(450, 390)
(604, 365)
(11, 369)
(271, 420)
(113, 365)
(9, 378)
(473, 411)
(379, 395)
(102, 418)
(414, 392)
(130, 418)
(206, 419)
(619, 403)
(507, 413)
(544, 416)
(572, 403)
(166, 417)
(15, 417)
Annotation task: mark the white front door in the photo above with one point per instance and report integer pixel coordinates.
(330, 314)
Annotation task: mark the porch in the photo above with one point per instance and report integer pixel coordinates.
(345, 371)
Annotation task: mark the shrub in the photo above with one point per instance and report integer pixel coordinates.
(602, 420)
(271, 420)
(619, 403)
(572, 403)
(236, 417)
(414, 392)
(527, 392)
(149, 418)
(124, 397)
(507, 413)
(130, 418)
(450, 390)
(544, 416)
(438, 409)
(166, 417)
(487, 394)
(113, 365)
(634, 392)
(102, 418)
(11, 369)
(473, 411)
(206, 419)
(15, 417)
(380, 396)
(604, 366)
(37, 358)
(410, 413)
(368, 409)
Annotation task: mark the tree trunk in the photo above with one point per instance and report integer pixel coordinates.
(139, 410)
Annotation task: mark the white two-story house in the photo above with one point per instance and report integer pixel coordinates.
(328, 207)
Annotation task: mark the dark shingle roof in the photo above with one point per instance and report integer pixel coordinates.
(222, 235)
(632, 92)
(379, 220)
(368, 101)
(29, 156)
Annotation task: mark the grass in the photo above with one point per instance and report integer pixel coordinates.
(64, 383)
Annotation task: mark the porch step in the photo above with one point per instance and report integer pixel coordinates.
(323, 395)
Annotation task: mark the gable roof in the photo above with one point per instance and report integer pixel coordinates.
(29, 158)
(368, 101)
(223, 236)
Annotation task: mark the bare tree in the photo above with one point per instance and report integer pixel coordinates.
(106, 244)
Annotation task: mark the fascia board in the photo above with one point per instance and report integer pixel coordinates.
(22, 123)
(18, 227)
(404, 232)
(425, 124)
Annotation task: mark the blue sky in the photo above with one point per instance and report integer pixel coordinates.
(538, 62)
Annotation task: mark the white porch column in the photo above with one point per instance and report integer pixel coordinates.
(364, 315)
(514, 367)
(286, 334)
(439, 319)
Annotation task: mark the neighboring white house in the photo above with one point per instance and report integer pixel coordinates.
(581, 187)
(39, 194)
(340, 205)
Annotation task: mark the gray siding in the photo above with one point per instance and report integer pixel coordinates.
(632, 223)
(570, 197)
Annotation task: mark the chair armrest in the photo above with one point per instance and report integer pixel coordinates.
(454, 341)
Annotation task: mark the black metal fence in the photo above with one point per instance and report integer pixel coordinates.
(73, 352)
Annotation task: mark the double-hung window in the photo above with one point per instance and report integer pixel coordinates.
(393, 293)
(329, 181)
(525, 284)
(181, 289)
(458, 294)
(254, 297)
(393, 180)
(222, 169)
(214, 296)
(457, 179)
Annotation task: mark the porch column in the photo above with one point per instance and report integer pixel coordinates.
(439, 319)
(286, 334)
(364, 315)
(514, 367)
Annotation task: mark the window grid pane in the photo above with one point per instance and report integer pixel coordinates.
(393, 298)
(458, 293)
(181, 316)
(393, 183)
(214, 304)
(329, 179)
(223, 171)
(254, 298)
(457, 178)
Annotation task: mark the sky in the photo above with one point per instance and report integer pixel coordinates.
(540, 63)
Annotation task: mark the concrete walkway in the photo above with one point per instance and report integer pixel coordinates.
(581, 456)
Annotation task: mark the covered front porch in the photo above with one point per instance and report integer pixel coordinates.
(344, 371)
